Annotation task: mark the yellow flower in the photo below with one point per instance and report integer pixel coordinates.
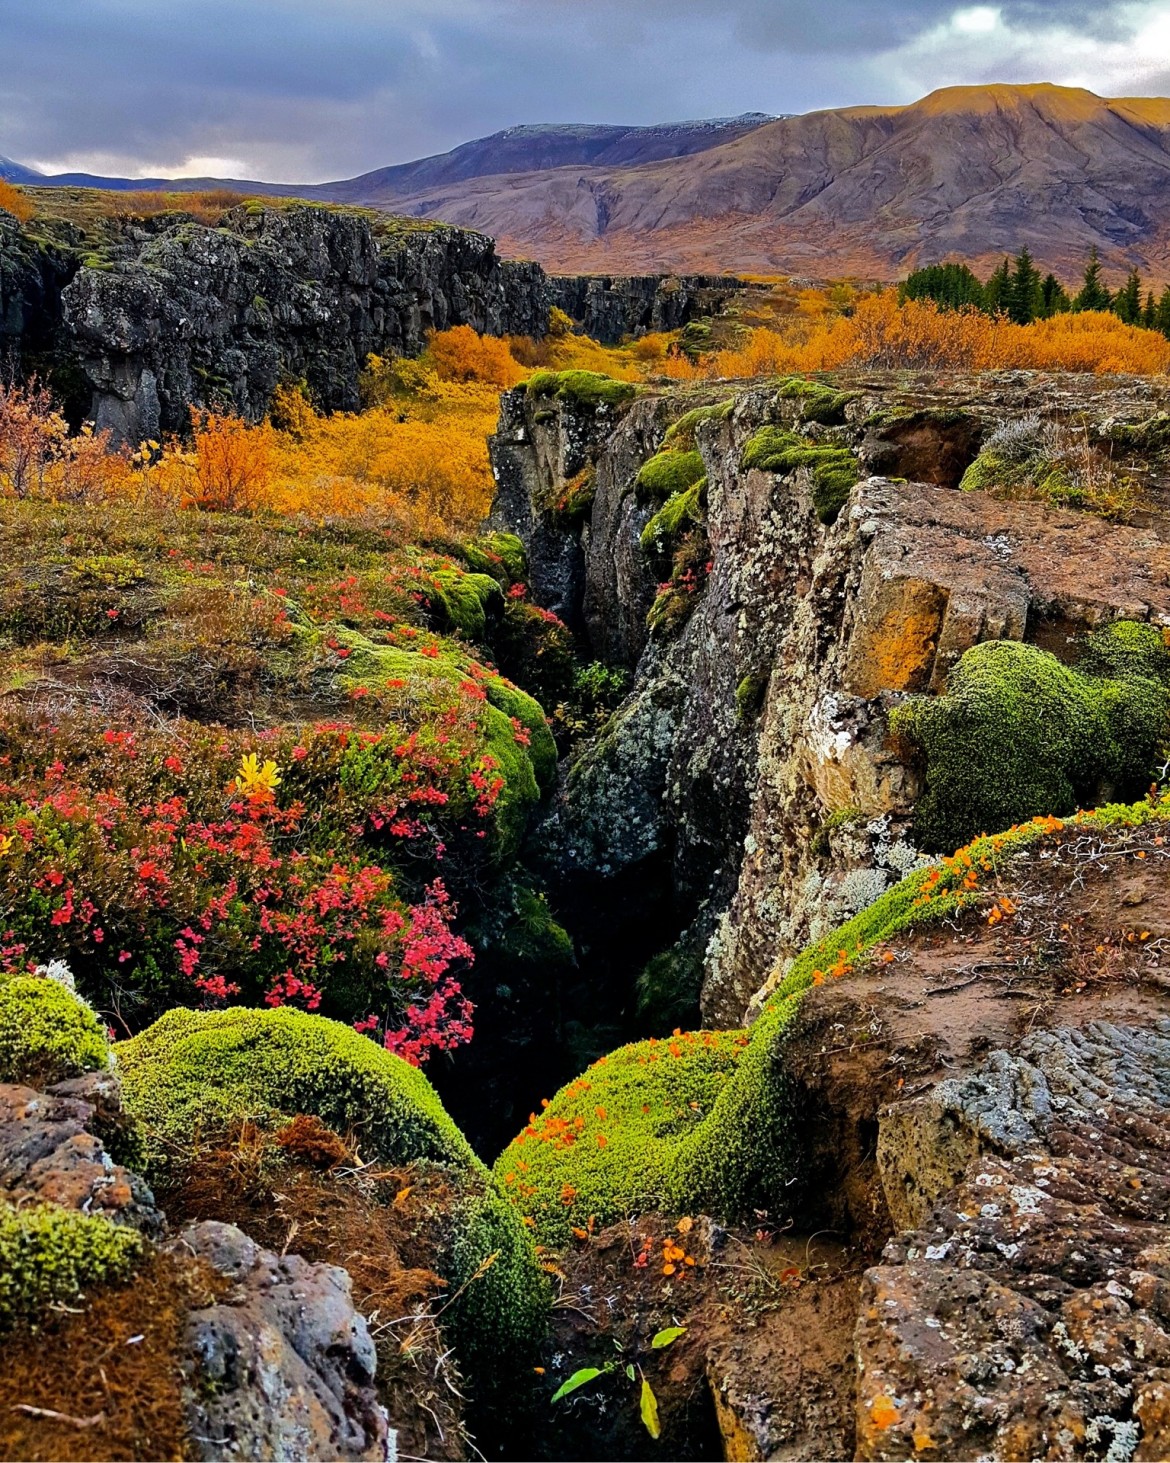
(254, 779)
(5, 842)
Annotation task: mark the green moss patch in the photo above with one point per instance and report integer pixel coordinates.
(588, 389)
(818, 402)
(668, 474)
(46, 1034)
(832, 470)
(1019, 734)
(613, 1141)
(194, 1073)
(681, 434)
(51, 1257)
(677, 513)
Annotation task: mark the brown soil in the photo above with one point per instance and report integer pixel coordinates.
(110, 1372)
(300, 1193)
(1089, 939)
(763, 1367)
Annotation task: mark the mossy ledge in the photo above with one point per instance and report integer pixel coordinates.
(832, 470)
(196, 1073)
(707, 1121)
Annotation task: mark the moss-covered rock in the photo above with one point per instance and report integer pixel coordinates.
(615, 1140)
(588, 389)
(46, 1033)
(674, 516)
(513, 725)
(195, 1073)
(498, 554)
(1017, 733)
(463, 601)
(707, 1121)
(832, 470)
(818, 402)
(681, 434)
(668, 474)
(51, 1256)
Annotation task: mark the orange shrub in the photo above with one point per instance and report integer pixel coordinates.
(233, 463)
(460, 354)
(15, 202)
(918, 335)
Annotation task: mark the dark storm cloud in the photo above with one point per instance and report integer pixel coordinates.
(308, 91)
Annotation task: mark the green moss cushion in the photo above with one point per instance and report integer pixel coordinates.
(46, 1033)
(51, 1256)
(1018, 733)
(202, 1070)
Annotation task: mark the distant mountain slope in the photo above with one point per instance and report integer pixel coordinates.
(968, 171)
(540, 148)
(514, 150)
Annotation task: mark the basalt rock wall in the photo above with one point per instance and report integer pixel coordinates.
(154, 315)
(754, 756)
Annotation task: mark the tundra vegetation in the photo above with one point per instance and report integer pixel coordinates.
(277, 715)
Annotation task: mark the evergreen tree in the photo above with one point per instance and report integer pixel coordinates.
(1150, 313)
(1023, 297)
(997, 291)
(1093, 294)
(1128, 304)
(1162, 322)
(1054, 298)
(949, 285)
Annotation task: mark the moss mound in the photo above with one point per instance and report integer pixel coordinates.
(499, 554)
(1017, 733)
(51, 1256)
(515, 729)
(194, 1072)
(464, 600)
(707, 1121)
(669, 474)
(617, 1139)
(588, 389)
(832, 470)
(46, 1033)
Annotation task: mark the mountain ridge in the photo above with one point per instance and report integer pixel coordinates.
(968, 173)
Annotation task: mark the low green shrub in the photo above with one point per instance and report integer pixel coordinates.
(46, 1033)
(50, 1257)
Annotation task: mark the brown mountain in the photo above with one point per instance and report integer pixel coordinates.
(968, 172)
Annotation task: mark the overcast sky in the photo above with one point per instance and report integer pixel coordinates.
(312, 90)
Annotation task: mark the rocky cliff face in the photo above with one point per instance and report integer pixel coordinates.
(608, 307)
(137, 320)
(173, 313)
(754, 760)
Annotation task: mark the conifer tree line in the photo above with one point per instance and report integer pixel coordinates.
(1018, 290)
